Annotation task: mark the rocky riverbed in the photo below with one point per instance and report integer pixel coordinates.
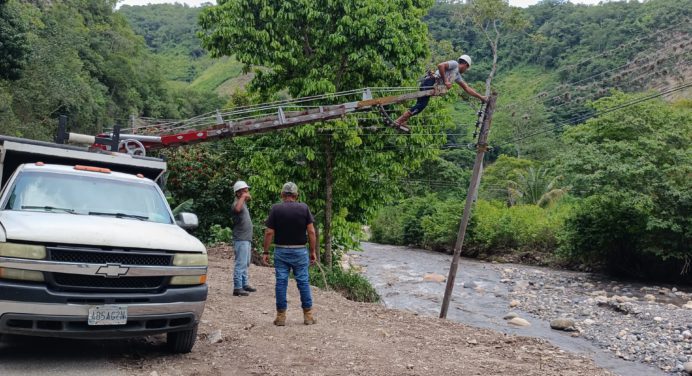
(647, 324)
(628, 328)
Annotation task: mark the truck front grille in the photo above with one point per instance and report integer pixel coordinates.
(71, 281)
(110, 257)
(98, 283)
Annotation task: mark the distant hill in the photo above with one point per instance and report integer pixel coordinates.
(632, 46)
(169, 30)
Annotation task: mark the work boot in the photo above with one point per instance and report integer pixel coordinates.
(307, 316)
(280, 319)
(403, 119)
(249, 288)
(240, 292)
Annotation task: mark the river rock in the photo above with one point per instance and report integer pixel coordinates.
(518, 321)
(434, 277)
(215, 337)
(688, 305)
(510, 316)
(649, 298)
(470, 285)
(513, 303)
(688, 367)
(562, 324)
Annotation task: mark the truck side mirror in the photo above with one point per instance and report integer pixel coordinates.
(187, 221)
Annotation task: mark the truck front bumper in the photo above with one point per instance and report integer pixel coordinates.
(36, 311)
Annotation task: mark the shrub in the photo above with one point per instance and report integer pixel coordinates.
(440, 228)
(388, 226)
(526, 227)
(349, 283)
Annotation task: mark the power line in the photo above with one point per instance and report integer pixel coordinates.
(582, 118)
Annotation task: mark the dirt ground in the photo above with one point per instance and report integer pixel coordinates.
(349, 338)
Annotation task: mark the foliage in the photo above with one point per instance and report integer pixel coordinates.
(441, 226)
(169, 30)
(79, 58)
(494, 226)
(223, 70)
(349, 283)
(13, 44)
(313, 48)
(203, 175)
(184, 206)
(219, 234)
(634, 166)
(387, 227)
(536, 186)
(496, 177)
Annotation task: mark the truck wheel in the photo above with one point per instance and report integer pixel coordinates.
(181, 342)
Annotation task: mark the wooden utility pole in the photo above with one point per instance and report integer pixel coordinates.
(481, 148)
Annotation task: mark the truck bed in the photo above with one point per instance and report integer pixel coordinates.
(15, 151)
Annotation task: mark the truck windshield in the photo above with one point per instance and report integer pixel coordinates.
(88, 195)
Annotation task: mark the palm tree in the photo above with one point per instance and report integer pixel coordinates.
(536, 187)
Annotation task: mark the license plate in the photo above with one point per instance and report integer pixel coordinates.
(108, 315)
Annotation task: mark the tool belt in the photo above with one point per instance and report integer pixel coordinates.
(428, 75)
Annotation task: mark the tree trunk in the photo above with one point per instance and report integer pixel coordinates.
(493, 45)
(328, 203)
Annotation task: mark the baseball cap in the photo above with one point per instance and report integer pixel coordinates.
(290, 188)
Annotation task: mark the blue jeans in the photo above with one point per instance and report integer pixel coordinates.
(422, 102)
(297, 259)
(242, 261)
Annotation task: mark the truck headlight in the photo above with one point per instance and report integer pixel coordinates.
(189, 279)
(24, 275)
(27, 251)
(190, 259)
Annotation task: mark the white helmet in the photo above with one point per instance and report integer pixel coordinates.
(466, 58)
(239, 185)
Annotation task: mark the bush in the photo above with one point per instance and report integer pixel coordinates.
(388, 226)
(349, 283)
(219, 234)
(525, 227)
(440, 228)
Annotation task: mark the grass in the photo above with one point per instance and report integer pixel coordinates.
(221, 71)
(350, 284)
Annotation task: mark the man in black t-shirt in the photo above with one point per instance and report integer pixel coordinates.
(289, 226)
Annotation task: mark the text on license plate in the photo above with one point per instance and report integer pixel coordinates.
(108, 315)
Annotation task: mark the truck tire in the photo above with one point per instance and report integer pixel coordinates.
(181, 342)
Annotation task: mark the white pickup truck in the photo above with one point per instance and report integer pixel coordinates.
(89, 247)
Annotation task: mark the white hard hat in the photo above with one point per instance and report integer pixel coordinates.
(466, 58)
(239, 185)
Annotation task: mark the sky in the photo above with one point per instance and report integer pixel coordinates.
(194, 3)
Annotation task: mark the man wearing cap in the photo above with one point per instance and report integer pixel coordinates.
(242, 238)
(446, 72)
(290, 226)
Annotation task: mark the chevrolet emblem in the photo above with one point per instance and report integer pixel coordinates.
(112, 271)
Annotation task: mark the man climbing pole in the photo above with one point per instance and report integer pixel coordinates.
(446, 72)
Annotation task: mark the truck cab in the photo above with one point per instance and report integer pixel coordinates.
(89, 247)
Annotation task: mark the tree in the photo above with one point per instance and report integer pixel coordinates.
(13, 44)
(492, 16)
(633, 166)
(317, 47)
(535, 186)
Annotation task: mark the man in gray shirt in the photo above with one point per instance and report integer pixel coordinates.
(447, 72)
(242, 239)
